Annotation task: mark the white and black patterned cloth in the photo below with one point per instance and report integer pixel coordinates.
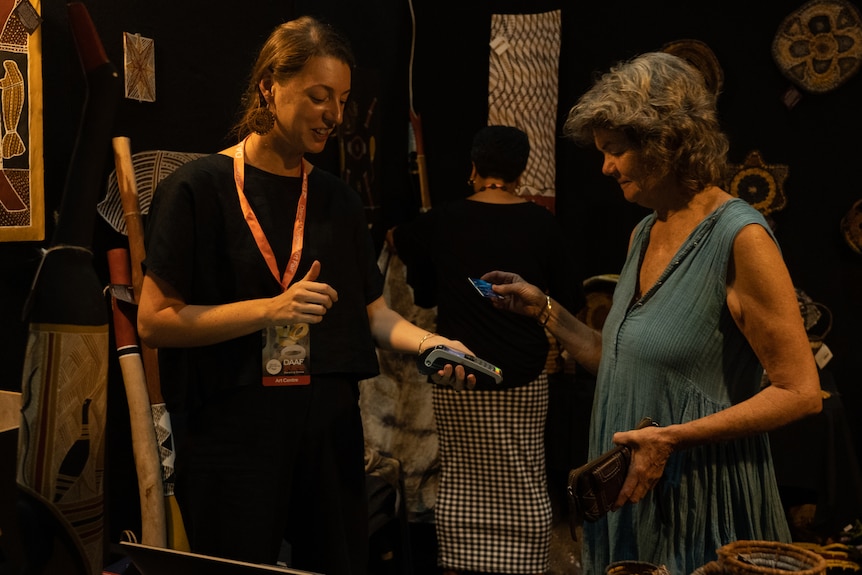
(493, 511)
(523, 73)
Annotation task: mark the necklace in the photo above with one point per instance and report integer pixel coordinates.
(493, 187)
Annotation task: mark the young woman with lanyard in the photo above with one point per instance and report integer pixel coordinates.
(263, 364)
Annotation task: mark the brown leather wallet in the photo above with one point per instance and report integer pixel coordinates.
(594, 486)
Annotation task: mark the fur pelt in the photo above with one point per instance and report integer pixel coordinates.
(397, 415)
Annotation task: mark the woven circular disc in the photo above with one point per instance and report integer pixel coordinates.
(701, 56)
(851, 227)
(756, 186)
(758, 183)
(819, 46)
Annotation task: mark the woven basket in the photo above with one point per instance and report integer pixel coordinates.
(711, 568)
(769, 558)
(635, 568)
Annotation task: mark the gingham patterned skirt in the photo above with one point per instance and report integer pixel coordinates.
(493, 511)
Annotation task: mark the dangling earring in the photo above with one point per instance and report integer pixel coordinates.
(470, 182)
(261, 120)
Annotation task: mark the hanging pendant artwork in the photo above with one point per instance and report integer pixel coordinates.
(139, 67)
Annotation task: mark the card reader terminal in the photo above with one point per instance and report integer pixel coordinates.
(433, 359)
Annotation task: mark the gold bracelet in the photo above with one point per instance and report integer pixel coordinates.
(424, 337)
(544, 322)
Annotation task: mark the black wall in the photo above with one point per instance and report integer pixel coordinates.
(818, 139)
(205, 49)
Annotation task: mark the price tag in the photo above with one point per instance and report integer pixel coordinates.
(500, 44)
(823, 355)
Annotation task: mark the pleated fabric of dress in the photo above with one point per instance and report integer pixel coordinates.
(676, 355)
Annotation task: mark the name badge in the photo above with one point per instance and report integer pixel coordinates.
(286, 351)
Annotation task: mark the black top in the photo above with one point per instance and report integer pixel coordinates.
(198, 241)
(448, 244)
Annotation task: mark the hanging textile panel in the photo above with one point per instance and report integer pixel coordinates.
(522, 91)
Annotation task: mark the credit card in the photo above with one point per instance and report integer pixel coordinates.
(484, 288)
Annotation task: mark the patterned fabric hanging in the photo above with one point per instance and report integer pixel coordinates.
(522, 91)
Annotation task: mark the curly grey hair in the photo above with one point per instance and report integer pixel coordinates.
(661, 103)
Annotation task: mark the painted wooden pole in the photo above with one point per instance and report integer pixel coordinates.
(145, 447)
(60, 467)
(161, 418)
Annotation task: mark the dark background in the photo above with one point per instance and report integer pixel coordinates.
(204, 51)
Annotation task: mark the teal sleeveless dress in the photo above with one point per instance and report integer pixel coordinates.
(676, 355)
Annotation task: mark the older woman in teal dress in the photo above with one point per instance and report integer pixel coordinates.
(704, 305)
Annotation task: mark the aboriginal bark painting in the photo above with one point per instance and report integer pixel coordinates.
(22, 216)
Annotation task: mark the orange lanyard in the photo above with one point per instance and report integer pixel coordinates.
(254, 225)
